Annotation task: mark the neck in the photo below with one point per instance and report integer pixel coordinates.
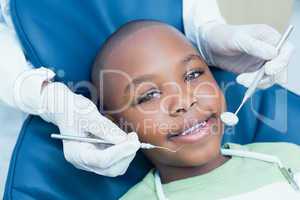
(171, 173)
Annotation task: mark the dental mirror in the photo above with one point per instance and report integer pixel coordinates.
(230, 119)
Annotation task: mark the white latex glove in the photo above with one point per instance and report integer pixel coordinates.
(76, 115)
(242, 48)
(269, 79)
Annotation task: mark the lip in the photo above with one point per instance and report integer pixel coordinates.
(193, 133)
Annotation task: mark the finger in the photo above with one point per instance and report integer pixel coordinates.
(281, 61)
(105, 129)
(246, 79)
(116, 169)
(257, 48)
(96, 158)
(266, 33)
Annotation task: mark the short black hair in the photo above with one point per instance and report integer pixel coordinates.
(114, 40)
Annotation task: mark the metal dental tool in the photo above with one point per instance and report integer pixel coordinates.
(99, 141)
(230, 118)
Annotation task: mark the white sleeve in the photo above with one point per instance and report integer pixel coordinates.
(1, 17)
(197, 13)
(5, 13)
(20, 83)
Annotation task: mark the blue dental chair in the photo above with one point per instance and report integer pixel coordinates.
(66, 35)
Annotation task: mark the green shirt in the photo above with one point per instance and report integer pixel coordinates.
(238, 178)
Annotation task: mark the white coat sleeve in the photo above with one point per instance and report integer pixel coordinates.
(1, 17)
(197, 14)
(20, 83)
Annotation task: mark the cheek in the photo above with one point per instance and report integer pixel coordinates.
(209, 94)
(149, 109)
(151, 127)
(223, 103)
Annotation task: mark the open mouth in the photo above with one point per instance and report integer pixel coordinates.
(194, 133)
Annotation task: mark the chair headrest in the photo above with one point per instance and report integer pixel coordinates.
(66, 35)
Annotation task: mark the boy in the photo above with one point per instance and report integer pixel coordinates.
(153, 80)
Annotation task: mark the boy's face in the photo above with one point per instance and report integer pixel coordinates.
(156, 84)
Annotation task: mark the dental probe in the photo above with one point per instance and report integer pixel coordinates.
(99, 141)
(231, 119)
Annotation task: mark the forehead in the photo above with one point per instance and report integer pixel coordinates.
(149, 50)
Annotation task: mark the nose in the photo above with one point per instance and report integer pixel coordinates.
(181, 105)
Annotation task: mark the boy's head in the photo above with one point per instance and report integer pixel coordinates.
(152, 81)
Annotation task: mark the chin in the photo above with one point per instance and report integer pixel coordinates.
(195, 157)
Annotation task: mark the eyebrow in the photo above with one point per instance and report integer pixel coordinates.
(149, 77)
(139, 80)
(189, 58)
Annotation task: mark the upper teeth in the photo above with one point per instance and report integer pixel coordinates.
(190, 130)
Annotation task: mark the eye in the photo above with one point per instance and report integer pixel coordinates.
(189, 76)
(154, 93)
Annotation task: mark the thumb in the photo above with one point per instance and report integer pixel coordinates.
(244, 79)
(256, 47)
(134, 140)
(133, 137)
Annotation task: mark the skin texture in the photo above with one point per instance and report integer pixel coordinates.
(155, 83)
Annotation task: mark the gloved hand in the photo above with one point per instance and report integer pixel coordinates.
(243, 48)
(269, 79)
(76, 115)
